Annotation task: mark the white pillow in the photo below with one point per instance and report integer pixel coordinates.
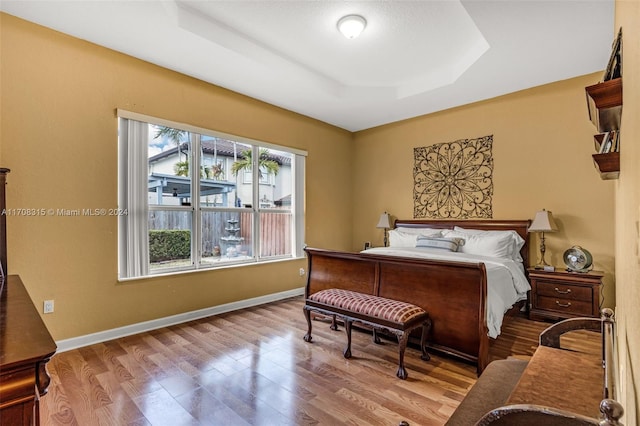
(493, 245)
(429, 232)
(516, 239)
(441, 243)
(400, 238)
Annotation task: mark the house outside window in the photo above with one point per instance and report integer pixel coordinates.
(191, 205)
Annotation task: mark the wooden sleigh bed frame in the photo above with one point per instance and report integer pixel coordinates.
(453, 293)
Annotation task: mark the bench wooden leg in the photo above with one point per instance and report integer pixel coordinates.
(403, 338)
(376, 338)
(347, 328)
(423, 340)
(307, 315)
(334, 323)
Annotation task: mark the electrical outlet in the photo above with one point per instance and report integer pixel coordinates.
(48, 306)
(302, 272)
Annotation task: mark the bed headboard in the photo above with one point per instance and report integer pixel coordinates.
(520, 226)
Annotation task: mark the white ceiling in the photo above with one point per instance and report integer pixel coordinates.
(414, 57)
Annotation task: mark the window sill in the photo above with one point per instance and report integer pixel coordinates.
(209, 268)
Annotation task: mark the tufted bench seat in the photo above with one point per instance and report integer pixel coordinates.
(400, 318)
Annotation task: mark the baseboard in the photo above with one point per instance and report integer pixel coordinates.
(128, 330)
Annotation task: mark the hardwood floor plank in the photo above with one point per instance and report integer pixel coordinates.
(241, 392)
(386, 415)
(112, 361)
(159, 407)
(252, 367)
(121, 412)
(56, 401)
(207, 409)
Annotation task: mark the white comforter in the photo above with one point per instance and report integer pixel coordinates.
(506, 282)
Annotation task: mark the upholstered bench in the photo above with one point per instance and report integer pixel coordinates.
(399, 318)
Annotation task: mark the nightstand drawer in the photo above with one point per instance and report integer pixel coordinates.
(564, 291)
(565, 306)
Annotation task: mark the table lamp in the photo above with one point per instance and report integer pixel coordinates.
(543, 222)
(385, 224)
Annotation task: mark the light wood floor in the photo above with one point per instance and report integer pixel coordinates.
(252, 367)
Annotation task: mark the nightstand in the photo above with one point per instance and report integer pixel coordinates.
(560, 294)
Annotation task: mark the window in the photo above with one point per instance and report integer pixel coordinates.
(200, 199)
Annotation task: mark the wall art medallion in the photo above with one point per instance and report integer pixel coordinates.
(454, 180)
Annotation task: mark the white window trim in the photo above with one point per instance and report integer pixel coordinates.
(208, 132)
(133, 253)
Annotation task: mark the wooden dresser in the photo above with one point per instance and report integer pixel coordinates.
(25, 348)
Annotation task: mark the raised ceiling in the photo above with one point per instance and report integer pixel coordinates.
(413, 58)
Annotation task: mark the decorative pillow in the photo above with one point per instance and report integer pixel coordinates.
(399, 238)
(441, 243)
(516, 239)
(499, 245)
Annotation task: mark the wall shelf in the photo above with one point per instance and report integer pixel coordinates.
(607, 164)
(604, 101)
(605, 104)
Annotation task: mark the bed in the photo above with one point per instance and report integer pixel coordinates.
(457, 289)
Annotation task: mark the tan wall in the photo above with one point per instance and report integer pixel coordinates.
(628, 213)
(542, 146)
(59, 137)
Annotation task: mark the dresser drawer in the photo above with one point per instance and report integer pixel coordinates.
(564, 291)
(565, 306)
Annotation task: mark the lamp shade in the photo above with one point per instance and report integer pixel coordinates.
(384, 221)
(543, 222)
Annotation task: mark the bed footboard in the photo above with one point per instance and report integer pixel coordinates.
(454, 293)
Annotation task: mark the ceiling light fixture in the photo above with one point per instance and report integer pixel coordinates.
(351, 25)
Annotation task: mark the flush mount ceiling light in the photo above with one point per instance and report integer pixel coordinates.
(351, 25)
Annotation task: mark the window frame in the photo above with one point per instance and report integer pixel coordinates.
(134, 227)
